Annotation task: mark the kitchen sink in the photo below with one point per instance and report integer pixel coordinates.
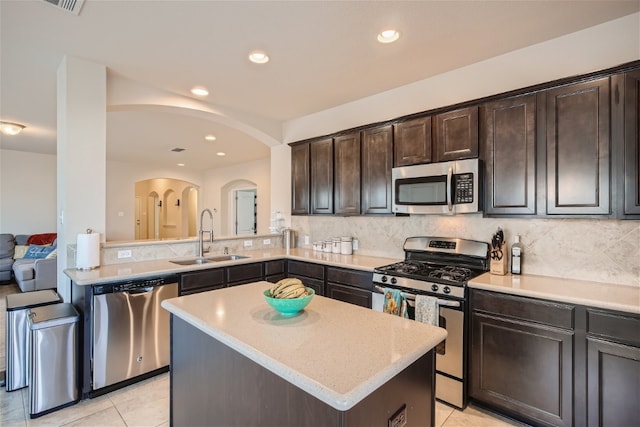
(205, 260)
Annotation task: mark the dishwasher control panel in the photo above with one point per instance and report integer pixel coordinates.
(131, 285)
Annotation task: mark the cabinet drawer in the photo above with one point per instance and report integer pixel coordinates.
(349, 294)
(613, 326)
(359, 279)
(244, 273)
(273, 267)
(539, 311)
(306, 269)
(205, 279)
(317, 285)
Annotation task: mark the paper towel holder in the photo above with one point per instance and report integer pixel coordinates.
(90, 264)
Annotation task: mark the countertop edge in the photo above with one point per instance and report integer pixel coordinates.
(509, 289)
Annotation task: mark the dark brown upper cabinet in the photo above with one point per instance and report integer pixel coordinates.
(632, 144)
(412, 142)
(346, 152)
(377, 162)
(300, 179)
(456, 134)
(321, 156)
(508, 141)
(578, 148)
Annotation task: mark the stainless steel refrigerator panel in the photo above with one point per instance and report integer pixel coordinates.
(130, 333)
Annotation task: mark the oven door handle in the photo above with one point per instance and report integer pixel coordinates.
(441, 302)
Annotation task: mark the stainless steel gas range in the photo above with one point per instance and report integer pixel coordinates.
(439, 267)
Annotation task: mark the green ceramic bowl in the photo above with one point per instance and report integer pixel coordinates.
(289, 306)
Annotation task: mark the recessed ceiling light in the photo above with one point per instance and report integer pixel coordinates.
(180, 164)
(199, 91)
(388, 36)
(258, 57)
(210, 137)
(221, 154)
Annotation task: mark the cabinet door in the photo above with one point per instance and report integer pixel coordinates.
(523, 368)
(346, 194)
(412, 142)
(456, 134)
(349, 294)
(632, 144)
(321, 154)
(508, 138)
(377, 162)
(578, 147)
(300, 179)
(613, 384)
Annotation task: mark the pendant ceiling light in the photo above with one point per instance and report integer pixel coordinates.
(9, 128)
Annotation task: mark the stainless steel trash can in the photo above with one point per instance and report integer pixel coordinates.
(17, 332)
(53, 336)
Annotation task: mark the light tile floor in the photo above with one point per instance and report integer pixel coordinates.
(147, 403)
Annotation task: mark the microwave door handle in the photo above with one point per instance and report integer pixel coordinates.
(450, 187)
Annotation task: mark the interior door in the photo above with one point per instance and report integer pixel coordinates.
(245, 211)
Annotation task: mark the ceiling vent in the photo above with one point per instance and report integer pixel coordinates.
(178, 150)
(72, 6)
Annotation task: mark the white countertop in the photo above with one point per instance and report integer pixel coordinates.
(335, 351)
(163, 267)
(593, 294)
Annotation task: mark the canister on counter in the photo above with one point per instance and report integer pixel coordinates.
(346, 245)
(326, 245)
(335, 245)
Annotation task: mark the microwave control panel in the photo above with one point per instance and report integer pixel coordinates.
(463, 188)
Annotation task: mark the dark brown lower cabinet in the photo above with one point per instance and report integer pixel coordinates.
(349, 294)
(554, 364)
(312, 275)
(200, 281)
(613, 372)
(244, 273)
(275, 270)
(352, 286)
(523, 368)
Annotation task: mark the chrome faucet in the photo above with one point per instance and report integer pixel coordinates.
(201, 232)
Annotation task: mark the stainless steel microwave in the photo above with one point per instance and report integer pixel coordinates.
(437, 188)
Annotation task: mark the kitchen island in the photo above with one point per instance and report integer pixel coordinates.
(236, 361)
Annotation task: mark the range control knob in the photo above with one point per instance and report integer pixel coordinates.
(384, 279)
(394, 280)
(447, 290)
(434, 288)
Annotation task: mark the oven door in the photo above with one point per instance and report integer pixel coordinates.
(450, 358)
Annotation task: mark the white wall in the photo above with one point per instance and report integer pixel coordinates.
(257, 171)
(28, 192)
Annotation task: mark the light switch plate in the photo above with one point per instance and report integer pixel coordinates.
(248, 243)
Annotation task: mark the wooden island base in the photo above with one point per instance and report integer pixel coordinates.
(214, 385)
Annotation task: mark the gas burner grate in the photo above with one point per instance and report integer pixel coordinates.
(451, 272)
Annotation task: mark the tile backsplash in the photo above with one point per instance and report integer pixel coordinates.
(584, 249)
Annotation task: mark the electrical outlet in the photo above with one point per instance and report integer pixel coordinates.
(266, 242)
(399, 419)
(124, 254)
(248, 243)
(306, 240)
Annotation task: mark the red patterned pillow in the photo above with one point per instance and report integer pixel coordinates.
(42, 239)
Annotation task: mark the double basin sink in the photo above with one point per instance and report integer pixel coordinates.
(205, 260)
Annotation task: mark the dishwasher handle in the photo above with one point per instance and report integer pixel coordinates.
(140, 290)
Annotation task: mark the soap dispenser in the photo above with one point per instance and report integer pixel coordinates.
(516, 255)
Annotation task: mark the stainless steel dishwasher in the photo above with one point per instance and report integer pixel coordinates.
(130, 334)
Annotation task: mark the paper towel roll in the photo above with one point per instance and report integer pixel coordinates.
(88, 251)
